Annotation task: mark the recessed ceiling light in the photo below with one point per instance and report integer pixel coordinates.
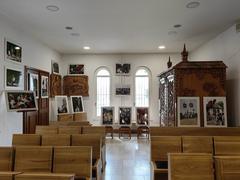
(86, 48)
(177, 26)
(193, 4)
(52, 8)
(161, 47)
(75, 34)
(68, 27)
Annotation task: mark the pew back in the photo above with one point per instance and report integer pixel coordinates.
(46, 130)
(6, 158)
(197, 144)
(69, 130)
(56, 140)
(26, 140)
(227, 145)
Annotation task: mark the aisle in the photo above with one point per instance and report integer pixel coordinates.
(127, 159)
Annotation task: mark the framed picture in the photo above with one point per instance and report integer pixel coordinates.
(215, 111)
(123, 90)
(13, 51)
(125, 115)
(107, 115)
(123, 69)
(55, 67)
(20, 100)
(62, 104)
(33, 83)
(44, 86)
(188, 112)
(14, 78)
(142, 116)
(77, 104)
(76, 69)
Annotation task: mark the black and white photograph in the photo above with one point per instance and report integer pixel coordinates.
(215, 111)
(188, 112)
(33, 83)
(76, 69)
(123, 69)
(13, 51)
(55, 67)
(20, 101)
(123, 90)
(142, 116)
(125, 115)
(44, 86)
(13, 78)
(77, 104)
(107, 114)
(62, 104)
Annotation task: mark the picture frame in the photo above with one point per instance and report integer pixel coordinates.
(215, 111)
(14, 78)
(61, 103)
(188, 112)
(123, 69)
(20, 100)
(125, 116)
(142, 116)
(123, 90)
(33, 83)
(76, 69)
(77, 104)
(13, 51)
(55, 67)
(44, 86)
(107, 115)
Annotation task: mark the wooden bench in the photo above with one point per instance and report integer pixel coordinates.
(69, 129)
(44, 176)
(65, 117)
(190, 166)
(197, 144)
(46, 130)
(82, 116)
(227, 145)
(8, 175)
(26, 139)
(6, 158)
(56, 140)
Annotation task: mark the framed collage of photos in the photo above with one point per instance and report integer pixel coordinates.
(13, 51)
(123, 69)
(77, 104)
(107, 115)
(75, 69)
(62, 104)
(123, 90)
(142, 116)
(125, 115)
(14, 76)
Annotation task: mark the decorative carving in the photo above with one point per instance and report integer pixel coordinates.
(169, 63)
(55, 85)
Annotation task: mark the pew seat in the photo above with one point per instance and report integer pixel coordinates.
(44, 176)
(8, 175)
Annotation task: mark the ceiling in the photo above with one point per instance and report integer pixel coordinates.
(121, 26)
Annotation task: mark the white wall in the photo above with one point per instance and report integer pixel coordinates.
(156, 63)
(226, 47)
(34, 55)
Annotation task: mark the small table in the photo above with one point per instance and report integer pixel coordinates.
(143, 130)
(124, 130)
(109, 129)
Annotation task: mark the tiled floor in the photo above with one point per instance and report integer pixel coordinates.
(127, 159)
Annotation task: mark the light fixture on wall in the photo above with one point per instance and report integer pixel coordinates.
(52, 8)
(193, 4)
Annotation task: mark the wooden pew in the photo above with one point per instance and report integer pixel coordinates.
(227, 145)
(95, 141)
(8, 175)
(76, 160)
(56, 140)
(46, 130)
(197, 144)
(44, 176)
(26, 140)
(160, 146)
(227, 167)
(190, 166)
(69, 129)
(82, 116)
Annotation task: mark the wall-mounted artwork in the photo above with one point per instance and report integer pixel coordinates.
(215, 111)
(123, 90)
(123, 69)
(55, 67)
(13, 51)
(20, 101)
(107, 115)
(44, 86)
(188, 112)
(62, 104)
(77, 104)
(142, 116)
(14, 78)
(33, 83)
(125, 115)
(76, 69)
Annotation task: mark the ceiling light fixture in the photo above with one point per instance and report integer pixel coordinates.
(17, 48)
(52, 8)
(193, 4)
(177, 26)
(86, 48)
(161, 47)
(69, 28)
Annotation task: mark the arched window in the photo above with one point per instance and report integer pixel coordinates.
(103, 89)
(142, 87)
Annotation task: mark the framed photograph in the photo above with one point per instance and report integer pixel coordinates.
(44, 86)
(125, 115)
(188, 112)
(107, 115)
(14, 78)
(62, 104)
(77, 104)
(76, 69)
(20, 100)
(13, 51)
(123, 69)
(142, 116)
(123, 90)
(215, 111)
(33, 83)
(55, 67)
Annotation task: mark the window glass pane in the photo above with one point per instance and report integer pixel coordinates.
(141, 72)
(103, 72)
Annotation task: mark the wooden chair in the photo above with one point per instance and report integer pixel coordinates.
(160, 147)
(44, 176)
(26, 140)
(125, 130)
(143, 130)
(109, 130)
(46, 130)
(56, 140)
(227, 167)
(72, 159)
(33, 159)
(190, 166)
(227, 145)
(197, 144)
(69, 130)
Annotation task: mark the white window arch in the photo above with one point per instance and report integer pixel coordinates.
(142, 87)
(103, 90)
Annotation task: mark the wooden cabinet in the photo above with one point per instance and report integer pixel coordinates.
(197, 78)
(55, 85)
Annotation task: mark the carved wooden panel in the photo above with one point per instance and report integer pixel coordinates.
(75, 85)
(55, 85)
